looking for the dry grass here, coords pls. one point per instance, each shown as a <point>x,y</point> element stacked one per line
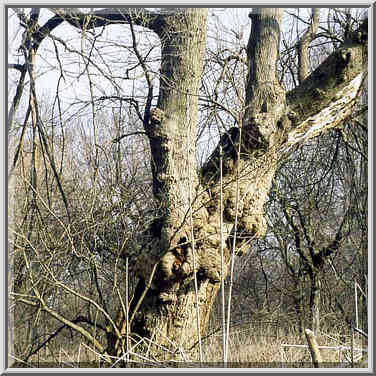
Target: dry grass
<point>250,346</point>
<point>261,347</point>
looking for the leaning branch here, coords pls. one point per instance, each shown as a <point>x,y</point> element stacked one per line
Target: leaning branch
<point>338,110</point>
<point>344,69</point>
<point>109,16</point>
<point>65,321</point>
<point>313,348</point>
<point>76,327</point>
<point>53,335</point>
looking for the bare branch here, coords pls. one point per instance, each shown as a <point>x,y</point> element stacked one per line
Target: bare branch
<point>18,67</point>
<point>110,16</point>
<point>147,73</point>
<point>54,334</point>
<point>65,321</point>
<point>118,139</point>
<point>33,34</point>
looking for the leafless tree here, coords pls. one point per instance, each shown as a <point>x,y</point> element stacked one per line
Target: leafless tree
<point>200,215</point>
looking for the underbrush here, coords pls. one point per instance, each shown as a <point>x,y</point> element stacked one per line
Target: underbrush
<point>251,345</point>
<point>267,346</point>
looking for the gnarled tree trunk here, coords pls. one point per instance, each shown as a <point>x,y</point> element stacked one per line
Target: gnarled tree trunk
<point>190,240</point>
<point>166,307</point>
<point>245,159</point>
<point>185,240</point>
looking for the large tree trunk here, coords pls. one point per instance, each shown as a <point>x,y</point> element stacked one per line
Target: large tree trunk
<point>166,309</point>
<point>185,242</point>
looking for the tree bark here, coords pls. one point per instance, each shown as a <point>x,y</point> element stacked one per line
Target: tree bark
<point>314,302</point>
<point>303,45</point>
<point>313,348</point>
<point>166,309</point>
<point>184,241</point>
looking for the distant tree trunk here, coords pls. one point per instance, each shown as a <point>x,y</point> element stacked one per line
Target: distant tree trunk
<point>303,45</point>
<point>299,309</point>
<point>314,302</point>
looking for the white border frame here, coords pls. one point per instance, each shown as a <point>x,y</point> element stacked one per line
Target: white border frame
<point>4,201</point>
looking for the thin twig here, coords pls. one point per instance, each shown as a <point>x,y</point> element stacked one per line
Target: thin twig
<point>222,255</point>
<point>233,245</point>
<point>127,306</point>
<point>192,235</point>
<point>118,139</point>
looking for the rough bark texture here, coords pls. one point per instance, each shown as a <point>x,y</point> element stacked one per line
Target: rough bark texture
<point>167,310</point>
<point>313,348</point>
<point>303,45</point>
